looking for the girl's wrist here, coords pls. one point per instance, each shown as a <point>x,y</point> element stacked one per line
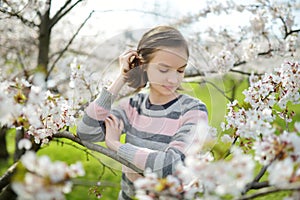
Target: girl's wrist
<point>114,145</point>
<point>117,85</point>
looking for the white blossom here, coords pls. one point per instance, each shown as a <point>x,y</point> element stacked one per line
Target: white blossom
<point>45,179</point>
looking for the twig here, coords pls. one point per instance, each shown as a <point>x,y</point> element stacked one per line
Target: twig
<point>60,14</point>
<point>244,73</point>
<point>229,150</point>
<point>16,14</point>
<point>67,46</point>
<point>266,191</point>
<point>5,178</point>
<point>88,153</point>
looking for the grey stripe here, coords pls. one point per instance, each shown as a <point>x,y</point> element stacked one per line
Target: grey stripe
<point>167,167</point>
<point>159,163</point>
<point>84,128</point>
<point>121,114</point>
<point>150,160</point>
<point>127,151</point>
<point>105,99</point>
<point>90,121</point>
<point>145,143</point>
<point>127,186</point>
<point>149,136</point>
<point>91,137</point>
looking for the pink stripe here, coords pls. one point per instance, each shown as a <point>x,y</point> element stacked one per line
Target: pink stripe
<point>96,112</point>
<point>141,156</point>
<point>178,145</point>
<point>163,126</point>
<point>195,116</point>
<point>130,174</point>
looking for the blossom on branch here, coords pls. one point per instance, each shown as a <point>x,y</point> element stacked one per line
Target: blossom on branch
<point>39,178</point>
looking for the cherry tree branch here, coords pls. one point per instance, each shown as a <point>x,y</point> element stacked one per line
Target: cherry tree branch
<point>86,151</point>
<point>62,12</point>
<point>97,148</point>
<point>214,85</point>
<point>67,46</point>
<point>266,191</point>
<point>5,178</point>
<point>13,13</point>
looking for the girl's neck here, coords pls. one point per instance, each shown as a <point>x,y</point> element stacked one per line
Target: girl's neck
<point>161,100</point>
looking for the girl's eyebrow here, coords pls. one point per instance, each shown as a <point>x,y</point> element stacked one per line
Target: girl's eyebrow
<point>165,65</point>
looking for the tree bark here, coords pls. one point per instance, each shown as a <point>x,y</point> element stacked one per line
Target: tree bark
<point>44,41</point>
<point>5,189</point>
<point>8,194</point>
<point>4,155</point>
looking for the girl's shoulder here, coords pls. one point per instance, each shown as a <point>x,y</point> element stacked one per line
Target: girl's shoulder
<point>192,103</point>
<point>137,99</point>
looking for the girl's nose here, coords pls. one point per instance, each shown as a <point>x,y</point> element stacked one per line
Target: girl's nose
<point>173,77</point>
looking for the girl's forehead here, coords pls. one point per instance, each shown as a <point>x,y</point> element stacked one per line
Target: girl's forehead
<point>178,53</point>
<point>171,56</point>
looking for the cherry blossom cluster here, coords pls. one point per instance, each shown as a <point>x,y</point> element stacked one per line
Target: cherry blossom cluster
<point>255,116</point>
<point>283,152</point>
<point>85,84</point>
<point>53,114</point>
<point>152,187</point>
<point>223,62</point>
<point>200,174</point>
<point>41,113</point>
<point>44,179</point>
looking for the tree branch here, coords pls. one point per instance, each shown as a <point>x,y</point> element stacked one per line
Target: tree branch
<point>87,152</point>
<point>291,32</point>
<point>62,12</point>
<point>67,46</point>
<point>217,88</point>
<point>5,178</point>
<point>98,148</point>
<point>28,23</point>
<point>266,191</point>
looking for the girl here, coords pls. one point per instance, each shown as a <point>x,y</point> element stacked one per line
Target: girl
<point>156,123</point>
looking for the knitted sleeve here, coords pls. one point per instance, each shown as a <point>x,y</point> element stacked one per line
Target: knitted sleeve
<point>92,126</point>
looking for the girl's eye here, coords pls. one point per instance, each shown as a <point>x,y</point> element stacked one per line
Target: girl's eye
<point>163,70</point>
<point>180,71</point>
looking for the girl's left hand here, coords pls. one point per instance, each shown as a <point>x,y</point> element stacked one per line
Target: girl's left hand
<point>114,128</point>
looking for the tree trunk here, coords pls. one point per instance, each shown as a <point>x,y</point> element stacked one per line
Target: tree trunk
<point>3,147</point>
<point>44,43</point>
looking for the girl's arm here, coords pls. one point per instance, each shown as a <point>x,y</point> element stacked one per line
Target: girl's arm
<point>92,126</point>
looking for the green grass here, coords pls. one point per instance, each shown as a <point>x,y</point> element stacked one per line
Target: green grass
<point>110,181</point>
<point>94,167</point>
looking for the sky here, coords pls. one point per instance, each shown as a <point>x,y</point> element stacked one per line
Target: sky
<point>114,16</point>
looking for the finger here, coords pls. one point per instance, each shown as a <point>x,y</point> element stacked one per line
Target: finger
<point>113,120</point>
<point>108,121</point>
<point>121,125</point>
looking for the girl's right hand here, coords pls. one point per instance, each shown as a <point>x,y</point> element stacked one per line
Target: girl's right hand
<point>125,60</point>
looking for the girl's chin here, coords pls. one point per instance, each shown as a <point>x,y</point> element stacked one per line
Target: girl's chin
<point>165,90</point>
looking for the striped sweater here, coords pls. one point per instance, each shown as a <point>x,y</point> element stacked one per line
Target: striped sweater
<point>155,134</point>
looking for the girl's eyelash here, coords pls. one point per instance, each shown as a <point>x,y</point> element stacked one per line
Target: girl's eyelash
<point>163,70</point>
<point>166,70</point>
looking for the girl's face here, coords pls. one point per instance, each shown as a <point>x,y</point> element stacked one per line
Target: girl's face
<point>165,73</point>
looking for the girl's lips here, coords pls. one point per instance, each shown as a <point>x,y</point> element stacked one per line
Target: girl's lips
<point>169,87</point>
